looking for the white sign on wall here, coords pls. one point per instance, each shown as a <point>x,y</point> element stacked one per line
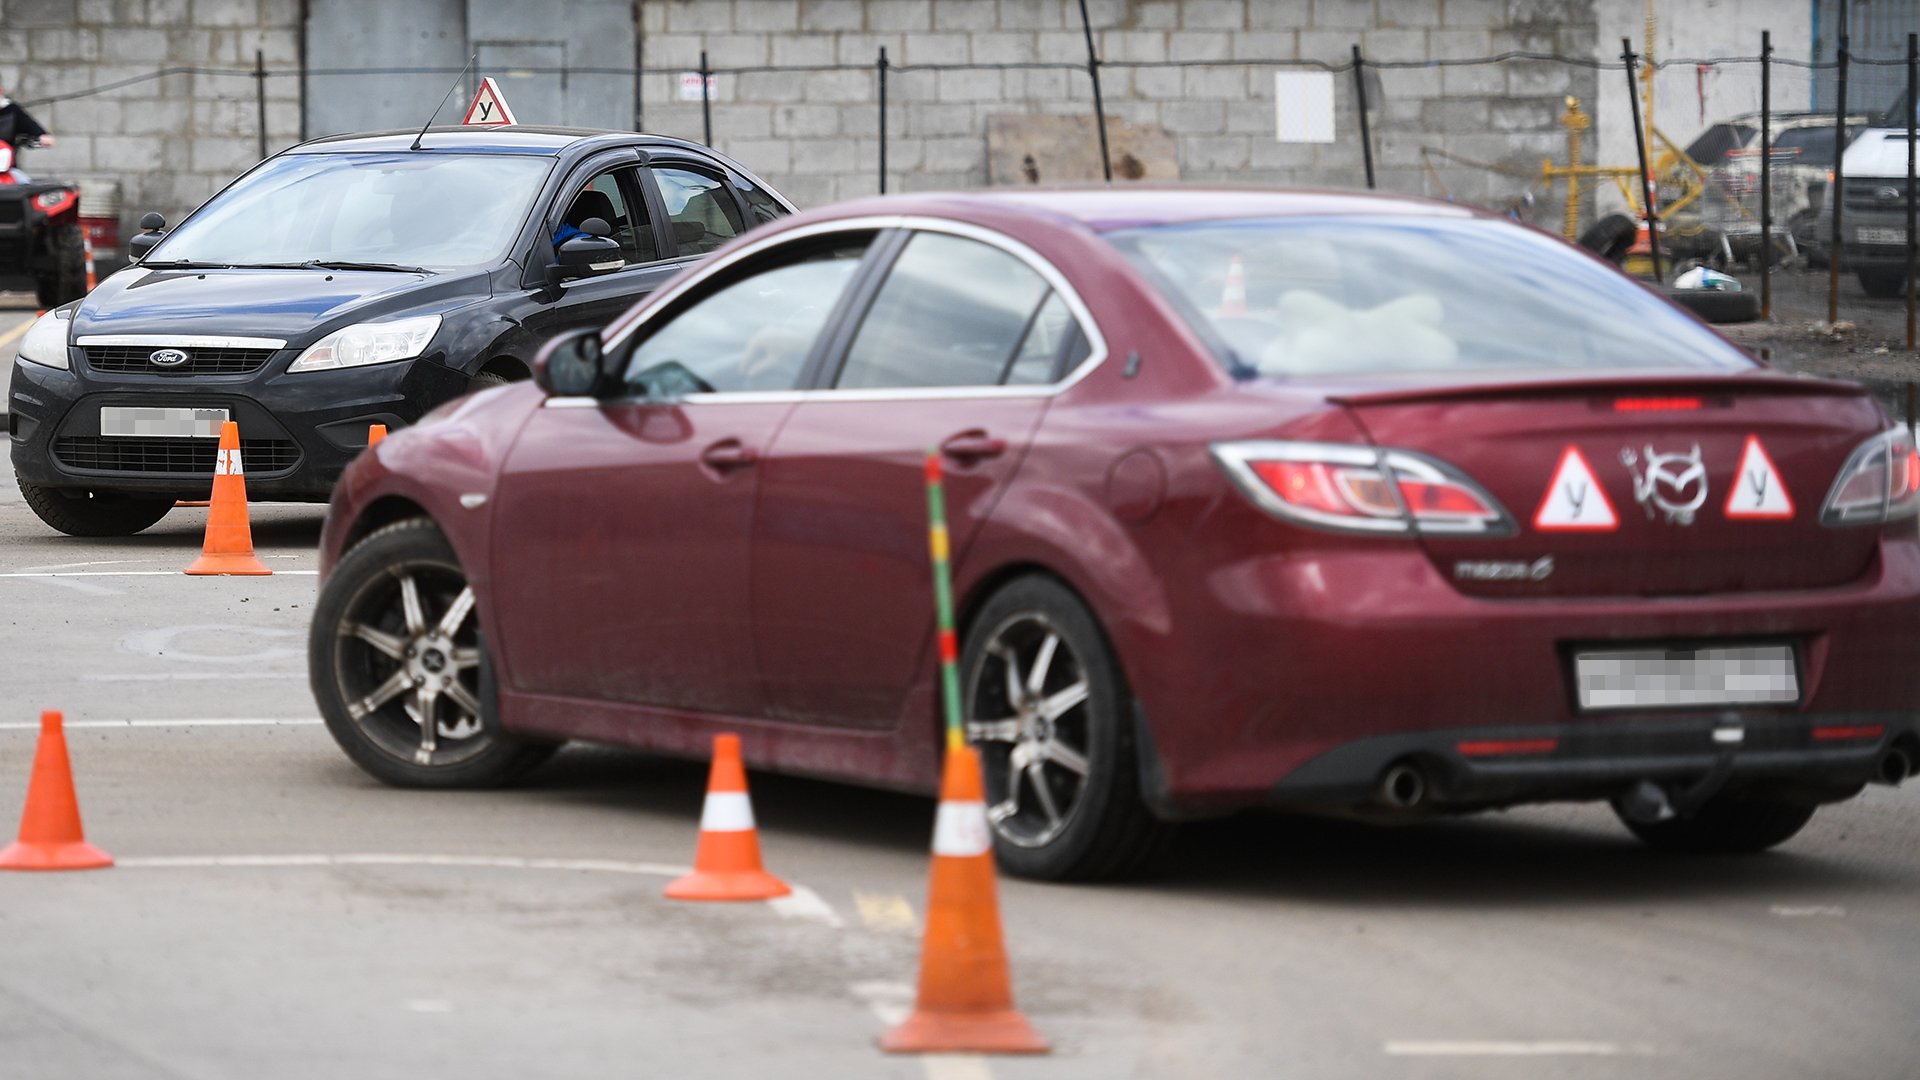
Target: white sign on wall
<point>690,86</point>
<point>1303,104</point>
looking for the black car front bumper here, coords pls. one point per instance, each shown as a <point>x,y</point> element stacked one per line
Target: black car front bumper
<point>297,432</point>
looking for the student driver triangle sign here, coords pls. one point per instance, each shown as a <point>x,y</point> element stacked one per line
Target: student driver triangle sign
<point>1575,501</point>
<point>1758,491</point>
<point>489,108</point>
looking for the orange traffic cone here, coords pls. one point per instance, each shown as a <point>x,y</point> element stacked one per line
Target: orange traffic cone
<point>86,246</point>
<point>726,866</point>
<point>965,1001</point>
<point>50,834</point>
<point>1233,298</point>
<point>375,432</point>
<point>229,544</point>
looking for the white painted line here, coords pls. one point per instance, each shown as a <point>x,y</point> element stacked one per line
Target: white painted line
<point>134,573</point>
<point>285,721</point>
<point>429,1005</point>
<point>496,862</point>
<point>1490,1048</point>
<point>191,676</point>
<point>804,903</point>
<point>86,588</point>
<point>78,565</point>
<point>1833,911</point>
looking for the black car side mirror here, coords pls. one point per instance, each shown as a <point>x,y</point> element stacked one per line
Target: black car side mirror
<point>571,365</point>
<point>153,227</point>
<point>594,253</point>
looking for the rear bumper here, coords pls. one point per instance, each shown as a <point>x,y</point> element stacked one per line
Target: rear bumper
<point>1811,757</point>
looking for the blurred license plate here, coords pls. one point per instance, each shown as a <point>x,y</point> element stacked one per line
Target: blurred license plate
<point>1676,678</point>
<point>1881,236</point>
<point>161,423</point>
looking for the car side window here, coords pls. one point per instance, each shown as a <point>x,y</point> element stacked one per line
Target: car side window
<point>607,198</point>
<point>952,312</point>
<point>754,332</point>
<point>761,205</point>
<point>1053,345</point>
<point>701,208</point>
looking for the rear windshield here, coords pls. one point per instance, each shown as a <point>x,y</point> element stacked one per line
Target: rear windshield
<point>1813,145</point>
<point>431,209</point>
<point>1349,295</point>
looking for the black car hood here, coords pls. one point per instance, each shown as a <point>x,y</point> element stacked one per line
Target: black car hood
<point>287,304</point>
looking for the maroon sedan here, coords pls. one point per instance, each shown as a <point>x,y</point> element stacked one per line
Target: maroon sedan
<point>1312,500</point>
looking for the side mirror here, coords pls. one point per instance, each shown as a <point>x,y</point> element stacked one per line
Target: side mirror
<point>594,253</point>
<point>570,365</point>
<point>153,227</point>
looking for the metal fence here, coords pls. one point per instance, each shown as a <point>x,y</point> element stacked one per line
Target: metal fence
<point>1515,131</point>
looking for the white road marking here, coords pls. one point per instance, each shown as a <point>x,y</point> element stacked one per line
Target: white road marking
<point>160,644</point>
<point>498,862</point>
<point>283,721</point>
<point>87,588</point>
<point>430,1005</point>
<point>804,903</point>
<point>886,912</point>
<point>1490,1048</point>
<point>191,676</point>
<point>77,565</point>
<point>1830,910</point>
<point>133,573</point>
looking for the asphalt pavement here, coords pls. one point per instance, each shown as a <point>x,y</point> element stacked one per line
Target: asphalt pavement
<point>275,913</point>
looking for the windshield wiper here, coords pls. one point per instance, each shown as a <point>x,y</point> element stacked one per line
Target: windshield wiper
<point>184,264</point>
<point>342,264</point>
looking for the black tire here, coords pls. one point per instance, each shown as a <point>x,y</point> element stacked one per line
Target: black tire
<point>1882,284</point>
<point>1610,237</point>
<point>1092,823</point>
<point>65,278</point>
<point>95,513</point>
<point>486,380</point>
<point>1726,826</point>
<point>1716,306</point>
<point>361,643</point>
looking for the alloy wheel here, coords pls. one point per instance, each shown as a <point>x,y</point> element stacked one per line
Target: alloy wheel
<point>408,665</point>
<point>1028,714</point>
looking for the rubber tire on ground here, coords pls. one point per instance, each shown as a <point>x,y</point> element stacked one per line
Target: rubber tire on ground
<point>507,760</point>
<point>1610,237</point>
<point>95,513</point>
<point>486,380</point>
<point>1716,306</point>
<point>66,280</point>
<point>1726,825</point>
<point>1882,284</point>
<point>1113,833</point>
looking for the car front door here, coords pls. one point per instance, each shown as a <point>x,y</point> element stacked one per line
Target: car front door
<point>606,187</point>
<point>962,345</point>
<point>623,525</point>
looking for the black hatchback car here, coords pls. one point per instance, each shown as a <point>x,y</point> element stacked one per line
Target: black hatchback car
<point>346,282</point>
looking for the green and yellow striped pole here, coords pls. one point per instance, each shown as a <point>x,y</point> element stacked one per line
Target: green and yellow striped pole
<point>943,600</point>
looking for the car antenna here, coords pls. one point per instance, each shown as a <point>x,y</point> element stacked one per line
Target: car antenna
<point>443,101</point>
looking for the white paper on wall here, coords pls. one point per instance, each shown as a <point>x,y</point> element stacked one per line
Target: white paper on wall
<point>1303,104</point>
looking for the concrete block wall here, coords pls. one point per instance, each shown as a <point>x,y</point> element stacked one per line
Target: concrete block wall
<point>172,141</point>
<point>815,134</point>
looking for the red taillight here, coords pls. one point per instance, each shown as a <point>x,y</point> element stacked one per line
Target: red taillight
<point>1655,404</point>
<point>1879,483</point>
<point>1502,747</point>
<point>1844,732</point>
<point>1360,489</point>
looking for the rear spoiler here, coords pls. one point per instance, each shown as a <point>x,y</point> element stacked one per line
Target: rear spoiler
<point>1642,384</point>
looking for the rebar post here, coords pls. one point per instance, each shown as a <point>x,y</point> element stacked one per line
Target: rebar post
<point>1640,146</point>
<point>1360,98</point>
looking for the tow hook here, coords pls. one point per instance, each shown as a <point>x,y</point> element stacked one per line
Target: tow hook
<point>1648,802</point>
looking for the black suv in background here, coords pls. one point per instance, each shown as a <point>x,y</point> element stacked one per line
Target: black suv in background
<point>349,281</point>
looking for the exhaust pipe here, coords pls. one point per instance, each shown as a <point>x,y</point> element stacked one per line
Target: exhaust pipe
<point>1403,787</point>
<point>1895,766</point>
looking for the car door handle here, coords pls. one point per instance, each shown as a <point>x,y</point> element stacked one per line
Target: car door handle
<point>729,454</point>
<point>971,446</point>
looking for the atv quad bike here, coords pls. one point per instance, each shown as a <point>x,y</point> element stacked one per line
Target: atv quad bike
<point>40,235</point>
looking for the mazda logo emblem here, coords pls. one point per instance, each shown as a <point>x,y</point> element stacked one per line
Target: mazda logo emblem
<point>167,357</point>
<point>1887,194</point>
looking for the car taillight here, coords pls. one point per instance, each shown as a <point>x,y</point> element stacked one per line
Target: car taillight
<point>1879,483</point>
<point>1353,488</point>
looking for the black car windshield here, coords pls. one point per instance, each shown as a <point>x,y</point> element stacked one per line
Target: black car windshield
<point>435,210</point>
<point>1353,295</point>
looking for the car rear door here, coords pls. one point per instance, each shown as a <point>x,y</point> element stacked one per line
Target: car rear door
<point>961,345</point>
<point>623,525</point>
